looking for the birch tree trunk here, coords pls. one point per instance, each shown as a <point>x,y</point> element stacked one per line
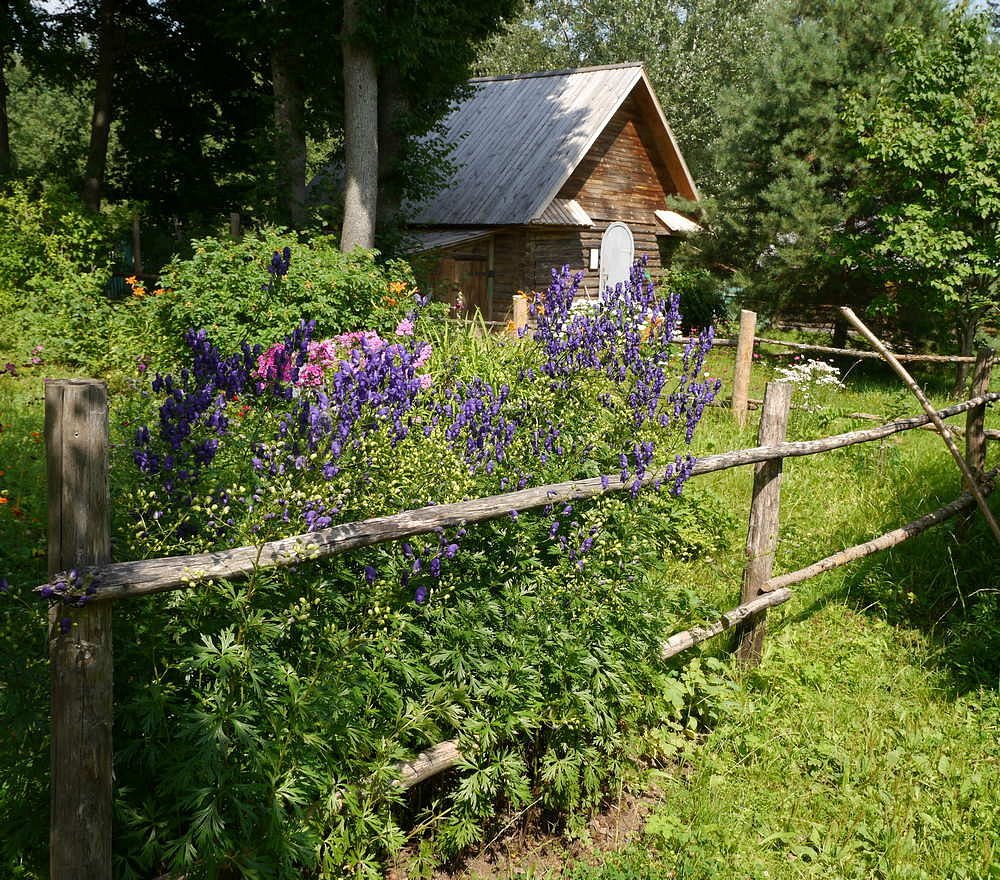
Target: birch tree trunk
<point>6,160</point>
<point>360,134</point>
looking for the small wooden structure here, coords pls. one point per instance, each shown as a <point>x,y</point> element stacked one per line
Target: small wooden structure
<point>554,168</point>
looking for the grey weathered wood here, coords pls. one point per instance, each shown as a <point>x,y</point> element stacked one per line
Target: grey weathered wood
<point>428,763</point>
<point>900,371</point>
<point>76,440</point>
<point>762,532</point>
<point>142,577</point>
<point>852,352</point>
<point>517,139</point>
<point>741,370</point>
<point>975,428</point>
<point>975,418</point>
<point>875,545</point>
<point>777,587</point>
<point>729,619</point>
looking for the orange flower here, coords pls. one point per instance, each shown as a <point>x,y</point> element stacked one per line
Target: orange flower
<point>4,499</point>
<point>397,287</point>
<point>132,281</point>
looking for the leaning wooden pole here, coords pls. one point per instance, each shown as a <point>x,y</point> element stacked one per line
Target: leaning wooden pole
<point>744,361</point>
<point>762,533</point>
<point>76,440</point>
<point>970,478</point>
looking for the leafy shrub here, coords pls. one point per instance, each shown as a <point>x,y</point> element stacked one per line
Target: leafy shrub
<point>54,263</point>
<point>260,722</point>
<point>702,294</point>
<point>224,288</point>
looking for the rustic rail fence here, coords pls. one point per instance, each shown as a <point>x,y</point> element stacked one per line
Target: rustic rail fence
<point>76,431</point>
<point>747,339</point>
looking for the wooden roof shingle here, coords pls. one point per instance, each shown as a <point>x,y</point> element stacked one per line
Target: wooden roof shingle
<point>518,138</point>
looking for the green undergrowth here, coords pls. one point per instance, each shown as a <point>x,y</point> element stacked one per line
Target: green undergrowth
<point>865,745</point>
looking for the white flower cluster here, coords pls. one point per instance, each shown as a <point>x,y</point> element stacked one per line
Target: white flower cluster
<point>810,378</point>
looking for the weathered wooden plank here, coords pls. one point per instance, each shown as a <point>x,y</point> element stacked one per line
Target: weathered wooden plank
<point>741,370</point>
<point>80,648</point>
<point>141,577</point>
<point>428,763</point>
<point>762,531</point>
<point>729,619</point>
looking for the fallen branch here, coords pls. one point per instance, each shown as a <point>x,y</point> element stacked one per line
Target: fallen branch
<point>428,763</point>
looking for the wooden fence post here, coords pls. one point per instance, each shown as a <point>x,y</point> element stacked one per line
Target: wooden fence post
<point>762,533</point>
<point>741,372</point>
<point>520,312</point>
<point>975,430</point>
<point>76,440</point>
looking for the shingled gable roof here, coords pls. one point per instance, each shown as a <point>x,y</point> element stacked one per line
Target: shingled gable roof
<point>519,138</point>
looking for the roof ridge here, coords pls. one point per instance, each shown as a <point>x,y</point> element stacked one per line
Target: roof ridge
<point>563,72</point>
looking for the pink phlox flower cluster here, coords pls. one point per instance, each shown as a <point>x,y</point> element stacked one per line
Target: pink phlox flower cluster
<point>273,365</point>
<point>367,340</point>
<point>404,328</point>
<point>423,355</point>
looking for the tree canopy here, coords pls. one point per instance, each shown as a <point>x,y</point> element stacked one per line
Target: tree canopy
<point>927,205</point>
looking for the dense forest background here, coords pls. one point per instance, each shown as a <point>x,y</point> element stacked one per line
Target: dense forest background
<point>846,151</point>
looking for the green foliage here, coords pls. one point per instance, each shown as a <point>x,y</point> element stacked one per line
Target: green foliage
<point>225,288</point>
<point>702,294</point>
<point>54,264</point>
<point>786,154</point>
<point>930,193</point>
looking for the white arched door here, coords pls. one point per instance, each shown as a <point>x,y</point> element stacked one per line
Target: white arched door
<point>617,254</point>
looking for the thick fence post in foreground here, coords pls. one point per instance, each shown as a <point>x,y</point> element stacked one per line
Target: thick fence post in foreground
<point>744,360</point>
<point>975,420</point>
<point>762,533</point>
<point>76,442</point>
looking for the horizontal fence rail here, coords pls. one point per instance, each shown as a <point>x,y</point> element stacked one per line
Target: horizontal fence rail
<point>854,352</point>
<point>123,579</point>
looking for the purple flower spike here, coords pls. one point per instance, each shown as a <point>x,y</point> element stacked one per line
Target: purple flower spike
<point>370,574</point>
<point>65,624</point>
<point>420,595</point>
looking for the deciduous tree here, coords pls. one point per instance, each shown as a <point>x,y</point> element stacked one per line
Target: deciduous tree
<point>928,202</point>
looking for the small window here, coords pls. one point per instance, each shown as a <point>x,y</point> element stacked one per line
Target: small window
<point>617,255</point>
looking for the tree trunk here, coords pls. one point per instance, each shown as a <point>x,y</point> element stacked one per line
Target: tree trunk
<point>966,331</point>
<point>360,134</point>
<point>392,105</point>
<point>100,124</point>
<point>290,139</point>
<point>6,160</point>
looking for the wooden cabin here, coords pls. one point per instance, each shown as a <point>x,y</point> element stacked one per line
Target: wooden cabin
<point>553,168</point>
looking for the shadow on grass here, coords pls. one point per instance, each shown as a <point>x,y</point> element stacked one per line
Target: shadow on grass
<point>944,582</point>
